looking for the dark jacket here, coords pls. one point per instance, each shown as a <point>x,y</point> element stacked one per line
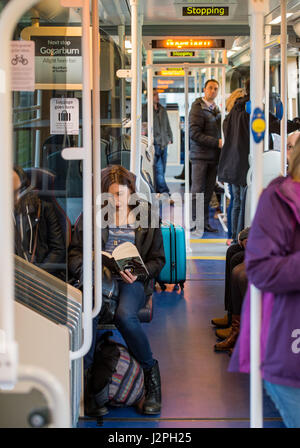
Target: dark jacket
<point>272,263</point>
<point>162,131</point>
<point>41,227</point>
<point>205,132</point>
<point>148,241</point>
<point>234,163</point>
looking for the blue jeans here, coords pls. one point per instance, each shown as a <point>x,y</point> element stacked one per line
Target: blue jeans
<point>131,299</point>
<point>237,215</point>
<point>287,401</point>
<point>229,211</point>
<point>160,163</point>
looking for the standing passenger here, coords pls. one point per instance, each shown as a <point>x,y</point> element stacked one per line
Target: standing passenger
<point>234,159</point>
<point>162,138</point>
<point>272,264</point>
<point>205,144</point>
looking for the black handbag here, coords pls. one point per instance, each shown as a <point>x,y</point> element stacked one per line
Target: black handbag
<point>110,297</point>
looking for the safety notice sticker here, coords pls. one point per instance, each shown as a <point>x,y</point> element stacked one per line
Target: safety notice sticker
<point>22,66</point>
<point>64,116</point>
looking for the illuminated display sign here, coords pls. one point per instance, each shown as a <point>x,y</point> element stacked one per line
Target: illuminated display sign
<point>182,54</point>
<point>205,11</point>
<point>201,44</point>
<point>165,81</point>
<point>172,72</point>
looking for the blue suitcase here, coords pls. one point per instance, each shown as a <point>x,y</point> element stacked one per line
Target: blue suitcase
<point>174,271</point>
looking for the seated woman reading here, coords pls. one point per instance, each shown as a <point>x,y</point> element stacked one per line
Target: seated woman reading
<point>119,183</point>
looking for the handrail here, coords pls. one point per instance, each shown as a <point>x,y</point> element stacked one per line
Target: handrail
<point>85,154</point>
<point>283,87</point>
<point>256,10</point>
<point>135,141</point>
<point>96,160</point>
<point>186,162</point>
<point>9,18</point>
<point>60,403</point>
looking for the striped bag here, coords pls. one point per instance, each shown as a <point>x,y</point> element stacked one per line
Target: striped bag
<point>117,378</point>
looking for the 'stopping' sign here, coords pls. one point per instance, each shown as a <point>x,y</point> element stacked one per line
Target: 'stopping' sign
<point>205,11</point>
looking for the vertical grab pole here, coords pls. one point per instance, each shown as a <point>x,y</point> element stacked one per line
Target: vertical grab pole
<point>186,160</point>
<point>87,187</point>
<point>268,29</point>
<point>139,103</point>
<point>195,84</point>
<point>150,97</point>
<point>223,90</point>
<point>209,67</point>
<point>9,17</point>
<point>283,83</point>
<point>134,154</point>
<point>121,32</point>
<point>256,10</point>
<point>96,159</point>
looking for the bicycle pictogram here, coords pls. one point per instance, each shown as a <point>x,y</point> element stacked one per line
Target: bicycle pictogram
<point>20,59</point>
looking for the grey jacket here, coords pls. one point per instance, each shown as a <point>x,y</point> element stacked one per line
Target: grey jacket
<point>161,126</point>
<point>205,132</point>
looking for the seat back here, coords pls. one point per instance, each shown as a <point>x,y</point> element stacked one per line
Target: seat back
<point>68,178</point>
<point>42,182</point>
<point>271,170</point>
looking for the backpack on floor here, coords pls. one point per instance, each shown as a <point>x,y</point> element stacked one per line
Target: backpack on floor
<point>117,378</point>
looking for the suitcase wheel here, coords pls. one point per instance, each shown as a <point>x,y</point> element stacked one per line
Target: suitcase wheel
<point>162,286</point>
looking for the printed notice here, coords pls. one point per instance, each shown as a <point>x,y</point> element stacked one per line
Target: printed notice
<point>64,116</point>
<point>58,60</point>
<point>22,66</point>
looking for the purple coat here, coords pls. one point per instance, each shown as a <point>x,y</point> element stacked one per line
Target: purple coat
<point>273,266</point>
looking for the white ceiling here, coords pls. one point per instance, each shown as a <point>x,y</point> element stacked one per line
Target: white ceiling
<point>169,12</point>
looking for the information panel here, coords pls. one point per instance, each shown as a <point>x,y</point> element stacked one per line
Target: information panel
<point>58,57</point>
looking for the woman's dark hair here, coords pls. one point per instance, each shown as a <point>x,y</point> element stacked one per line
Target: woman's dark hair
<point>27,196</point>
<point>247,86</point>
<point>23,178</point>
<point>117,174</point>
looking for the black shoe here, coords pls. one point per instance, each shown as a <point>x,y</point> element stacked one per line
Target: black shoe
<point>180,176</point>
<point>208,228</point>
<point>91,408</point>
<point>152,403</point>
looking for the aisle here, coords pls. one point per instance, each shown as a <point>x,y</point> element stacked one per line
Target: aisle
<point>197,390</point>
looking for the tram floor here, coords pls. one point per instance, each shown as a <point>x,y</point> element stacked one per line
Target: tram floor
<point>197,390</point>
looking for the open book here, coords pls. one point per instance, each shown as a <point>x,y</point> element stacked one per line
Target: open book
<point>125,256</point>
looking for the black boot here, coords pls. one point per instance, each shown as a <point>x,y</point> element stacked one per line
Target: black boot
<point>152,403</point>
<point>91,408</point>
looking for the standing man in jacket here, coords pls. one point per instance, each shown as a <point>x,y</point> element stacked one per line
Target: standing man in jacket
<point>162,138</point>
<point>205,144</point>
<point>234,160</point>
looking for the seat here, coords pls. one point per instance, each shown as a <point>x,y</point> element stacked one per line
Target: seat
<point>42,182</point>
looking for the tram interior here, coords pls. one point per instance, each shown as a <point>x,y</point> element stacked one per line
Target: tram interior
<point>197,389</point>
